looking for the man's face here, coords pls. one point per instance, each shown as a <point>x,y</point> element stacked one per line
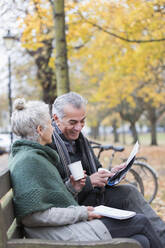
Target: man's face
<point>72,123</point>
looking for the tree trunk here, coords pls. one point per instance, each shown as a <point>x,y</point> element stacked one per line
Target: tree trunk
<point>95,132</point>
<point>153,133</point>
<point>153,120</point>
<point>61,63</point>
<point>45,73</point>
<point>134,132</point>
<point>123,133</point>
<point>115,133</point>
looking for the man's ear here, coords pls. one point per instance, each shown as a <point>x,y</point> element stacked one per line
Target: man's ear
<point>57,120</point>
<point>39,129</point>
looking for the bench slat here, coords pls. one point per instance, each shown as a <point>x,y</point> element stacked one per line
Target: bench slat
<point>3,238</point>
<point>14,232</point>
<point>36,243</point>
<point>7,209</point>
<point>12,229</point>
<point>6,199</point>
<point>5,184</point>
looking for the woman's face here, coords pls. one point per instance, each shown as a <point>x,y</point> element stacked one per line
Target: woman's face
<point>46,134</point>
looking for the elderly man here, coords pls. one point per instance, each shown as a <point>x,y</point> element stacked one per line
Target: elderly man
<point>69,116</point>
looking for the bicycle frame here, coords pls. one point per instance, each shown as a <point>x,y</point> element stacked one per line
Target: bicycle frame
<point>140,162</point>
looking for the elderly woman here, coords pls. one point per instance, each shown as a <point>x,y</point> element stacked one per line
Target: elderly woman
<point>42,202</point>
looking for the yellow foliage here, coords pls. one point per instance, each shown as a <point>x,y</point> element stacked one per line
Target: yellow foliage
<point>100,59</point>
<point>37,25</point>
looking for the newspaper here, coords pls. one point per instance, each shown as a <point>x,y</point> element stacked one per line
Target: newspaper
<point>113,212</point>
<point>115,179</point>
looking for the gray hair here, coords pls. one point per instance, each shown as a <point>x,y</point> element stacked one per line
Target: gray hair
<point>26,117</point>
<point>76,100</point>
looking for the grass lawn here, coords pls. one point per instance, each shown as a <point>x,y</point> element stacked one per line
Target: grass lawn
<point>144,139</point>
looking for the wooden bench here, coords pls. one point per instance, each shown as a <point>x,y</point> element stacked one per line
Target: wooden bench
<point>11,235</point>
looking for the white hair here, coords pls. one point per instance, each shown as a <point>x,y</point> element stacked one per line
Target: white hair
<point>76,100</point>
<point>26,117</point>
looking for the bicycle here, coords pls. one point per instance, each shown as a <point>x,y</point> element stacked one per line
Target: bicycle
<point>140,175</point>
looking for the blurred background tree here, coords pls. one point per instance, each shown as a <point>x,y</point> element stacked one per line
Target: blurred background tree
<point>114,51</point>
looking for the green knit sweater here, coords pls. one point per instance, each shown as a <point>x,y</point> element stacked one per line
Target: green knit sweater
<point>36,182</point>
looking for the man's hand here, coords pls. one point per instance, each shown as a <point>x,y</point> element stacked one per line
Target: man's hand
<point>78,185</point>
<point>99,179</point>
<point>91,215</point>
<point>118,168</point>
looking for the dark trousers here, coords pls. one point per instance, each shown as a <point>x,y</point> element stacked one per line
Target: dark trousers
<point>125,197</point>
<point>137,227</point>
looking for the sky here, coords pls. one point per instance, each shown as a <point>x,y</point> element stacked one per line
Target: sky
<point>6,17</point>
<point>10,10</point>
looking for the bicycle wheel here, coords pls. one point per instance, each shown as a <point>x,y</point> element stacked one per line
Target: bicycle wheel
<point>149,178</point>
<point>133,178</point>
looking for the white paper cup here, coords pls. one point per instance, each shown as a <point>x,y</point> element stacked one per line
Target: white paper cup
<point>76,170</point>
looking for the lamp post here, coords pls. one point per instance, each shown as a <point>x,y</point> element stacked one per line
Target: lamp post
<point>9,41</point>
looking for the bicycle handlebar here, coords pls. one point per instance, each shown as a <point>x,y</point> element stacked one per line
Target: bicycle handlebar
<point>114,148</point>
<point>107,147</point>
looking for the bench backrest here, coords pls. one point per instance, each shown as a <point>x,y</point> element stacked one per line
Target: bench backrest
<point>11,233</point>
<point>8,225</point>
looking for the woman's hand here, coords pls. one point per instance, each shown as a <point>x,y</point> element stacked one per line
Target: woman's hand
<point>79,184</point>
<point>92,215</point>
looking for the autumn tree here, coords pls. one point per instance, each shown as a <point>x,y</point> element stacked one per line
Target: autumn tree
<point>119,46</point>
<point>37,39</point>
<point>131,114</point>
<point>128,43</point>
<point>45,73</point>
<point>112,120</point>
<point>61,62</point>
<point>43,26</point>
